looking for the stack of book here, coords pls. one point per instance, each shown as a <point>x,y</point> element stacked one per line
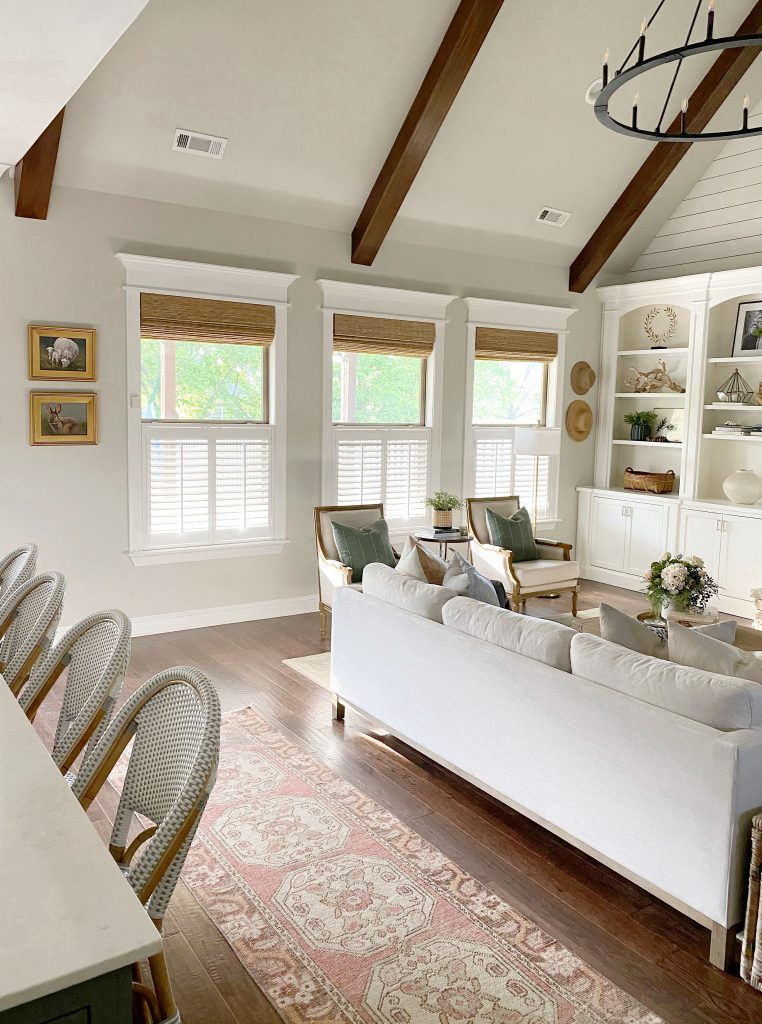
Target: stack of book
<point>738,430</point>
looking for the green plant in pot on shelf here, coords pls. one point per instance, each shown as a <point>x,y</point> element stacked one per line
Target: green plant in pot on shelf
<point>641,424</point>
<point>679,583</point>
<point>442,504</point>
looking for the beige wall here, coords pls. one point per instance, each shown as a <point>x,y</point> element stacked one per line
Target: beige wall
<point>73,501</point>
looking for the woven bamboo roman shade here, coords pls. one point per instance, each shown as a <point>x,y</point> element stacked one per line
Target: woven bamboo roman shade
<point>520,346</point>
<point>382,337</point>
<point>185,318</point>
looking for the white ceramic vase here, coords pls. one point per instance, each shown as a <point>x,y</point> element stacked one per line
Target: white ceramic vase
<point>743,487</point>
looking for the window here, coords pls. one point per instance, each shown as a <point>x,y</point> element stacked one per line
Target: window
<point>381,411</point>
<point>204,446</point>
<point>510,388</point>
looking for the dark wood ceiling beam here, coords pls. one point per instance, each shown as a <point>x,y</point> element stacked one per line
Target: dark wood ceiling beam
<point>457,52</point>
<point>719,81</point>
<point>33,177</point>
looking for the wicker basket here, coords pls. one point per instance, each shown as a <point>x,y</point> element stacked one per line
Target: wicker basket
<point>442,519</point>
<point>653,483</point>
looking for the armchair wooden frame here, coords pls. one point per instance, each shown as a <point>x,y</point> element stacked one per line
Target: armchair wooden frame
<point>517,599</point>
<point>325,559</point>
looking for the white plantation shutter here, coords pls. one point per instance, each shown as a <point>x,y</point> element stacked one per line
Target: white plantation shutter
<point>178,488</point>
<point>206,484</point>
<point>493,463</point>
<point>407,463</point>
<point>498,473</point>
<point>359,470</point>
<point>379,464</point>
<point>242,485</point>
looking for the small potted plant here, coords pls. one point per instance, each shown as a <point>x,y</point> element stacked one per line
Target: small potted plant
<point>678,583</point>
<point>442,503</point>
<point>641,424</point>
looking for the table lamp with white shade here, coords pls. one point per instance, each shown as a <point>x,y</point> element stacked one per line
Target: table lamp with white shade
<point>537,442</point>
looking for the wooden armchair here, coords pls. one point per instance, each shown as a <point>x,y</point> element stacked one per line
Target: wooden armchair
<point>332,573</point>
<point>552,572</point>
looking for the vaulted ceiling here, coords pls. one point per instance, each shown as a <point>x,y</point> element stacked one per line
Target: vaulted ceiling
<point>312,94</point>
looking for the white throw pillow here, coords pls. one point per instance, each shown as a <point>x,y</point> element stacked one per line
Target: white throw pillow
<point>623,629</point>
<point>696,650</point>
<point>711,698</point>
<point>539,639</point>
<point>421,564</point>
<point>467,581</point>
<point>386,584</point>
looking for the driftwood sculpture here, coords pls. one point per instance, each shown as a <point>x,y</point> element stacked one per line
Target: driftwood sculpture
<point>653,380</point>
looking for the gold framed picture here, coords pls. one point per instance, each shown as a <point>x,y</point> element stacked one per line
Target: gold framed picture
<point>63,417</point>
<point>61,353</point>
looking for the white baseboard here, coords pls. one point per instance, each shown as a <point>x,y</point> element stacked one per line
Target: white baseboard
<point>171,622</point>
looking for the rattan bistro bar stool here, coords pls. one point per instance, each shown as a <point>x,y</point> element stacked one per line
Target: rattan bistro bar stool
<point>175,721</point>
<point>94,654</point>
<point>17,567</point>
<point>28,620</point>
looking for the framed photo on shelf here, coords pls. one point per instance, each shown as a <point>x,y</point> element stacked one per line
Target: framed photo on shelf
<point>63,417</point>
<point>748,336</point>
<point>61,353</point>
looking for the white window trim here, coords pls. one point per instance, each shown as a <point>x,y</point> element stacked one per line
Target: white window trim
<point>393,304</point>
<point>204,280</point>
<point>518,316</point>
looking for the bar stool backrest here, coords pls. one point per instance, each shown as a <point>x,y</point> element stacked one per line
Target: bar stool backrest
<point>28,620</point>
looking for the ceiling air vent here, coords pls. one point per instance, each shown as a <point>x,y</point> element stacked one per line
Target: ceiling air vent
<point>557,218</point>
<point>198,143</point>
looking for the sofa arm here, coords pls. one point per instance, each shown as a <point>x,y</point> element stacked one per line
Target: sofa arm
<point>554,549</point>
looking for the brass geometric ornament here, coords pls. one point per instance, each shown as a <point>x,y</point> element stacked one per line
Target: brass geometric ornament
<point>735,389</point>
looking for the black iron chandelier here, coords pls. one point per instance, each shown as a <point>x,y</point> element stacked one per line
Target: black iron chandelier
<point>638,63</point>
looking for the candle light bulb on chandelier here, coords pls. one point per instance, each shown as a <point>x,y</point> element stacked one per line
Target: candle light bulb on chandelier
<point>642,41</point>
<point>710,20</point>
<point>746,111</point>
<point>605,69</point>
<point>683,112</point>
<point>635,101</point>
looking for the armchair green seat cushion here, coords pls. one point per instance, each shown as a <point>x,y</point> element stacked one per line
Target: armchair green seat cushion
<point>514,533</point>
<point>359,546</point>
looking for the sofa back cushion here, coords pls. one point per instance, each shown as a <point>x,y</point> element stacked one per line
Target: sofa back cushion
<point>621,628</point>
<point>539,639</point>
<point>386,584</point>
<point>712,699</point>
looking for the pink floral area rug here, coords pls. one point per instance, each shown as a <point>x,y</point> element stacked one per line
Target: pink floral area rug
<point>340,913</point>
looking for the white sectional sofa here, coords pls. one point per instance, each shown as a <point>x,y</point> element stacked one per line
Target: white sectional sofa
<point>653,769</point>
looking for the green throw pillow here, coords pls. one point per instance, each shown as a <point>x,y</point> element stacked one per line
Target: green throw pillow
<point>359,547</point>
<point>514,533</point>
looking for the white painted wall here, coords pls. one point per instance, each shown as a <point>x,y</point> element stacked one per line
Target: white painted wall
<point>73,501</point>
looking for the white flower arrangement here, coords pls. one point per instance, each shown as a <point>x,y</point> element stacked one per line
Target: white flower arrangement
<point>680,581</point>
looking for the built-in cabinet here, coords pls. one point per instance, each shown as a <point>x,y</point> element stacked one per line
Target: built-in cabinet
<point>621,532</point>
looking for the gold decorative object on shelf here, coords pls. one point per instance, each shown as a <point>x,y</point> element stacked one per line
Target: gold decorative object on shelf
<point>664,317</point>
<point>647,381</point>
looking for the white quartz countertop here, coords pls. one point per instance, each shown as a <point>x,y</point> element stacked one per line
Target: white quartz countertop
<point>66,913</point>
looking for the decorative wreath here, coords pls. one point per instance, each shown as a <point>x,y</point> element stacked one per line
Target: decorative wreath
<point>660,337</point>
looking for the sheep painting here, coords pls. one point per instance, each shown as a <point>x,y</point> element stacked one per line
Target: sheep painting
<point>59,352</point>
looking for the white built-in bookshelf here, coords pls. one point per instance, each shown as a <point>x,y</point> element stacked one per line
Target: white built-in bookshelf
<point>697,517</point>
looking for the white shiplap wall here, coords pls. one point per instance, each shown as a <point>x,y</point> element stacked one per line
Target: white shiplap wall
<point>719,223</point>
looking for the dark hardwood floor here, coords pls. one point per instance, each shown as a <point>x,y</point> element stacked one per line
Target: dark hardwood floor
<point>650,950</point>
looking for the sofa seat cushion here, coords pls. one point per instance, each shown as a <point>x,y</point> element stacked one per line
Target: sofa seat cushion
<point>538,639</point>
<point>543,572</point>
<point>713,699</point>
<point>424,599</point>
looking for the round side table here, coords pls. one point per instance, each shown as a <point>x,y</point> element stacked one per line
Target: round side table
<point>443,542</point>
